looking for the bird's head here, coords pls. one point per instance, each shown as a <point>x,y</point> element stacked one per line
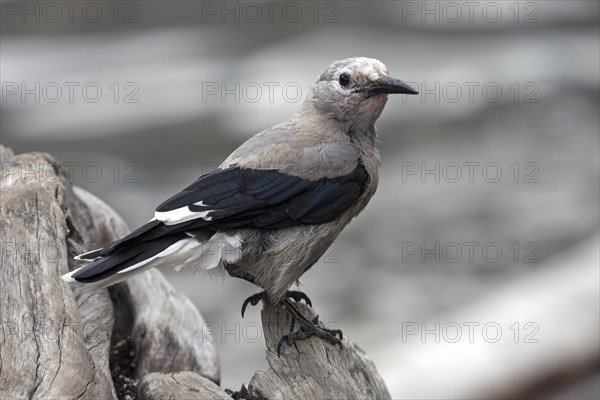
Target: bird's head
<point>354,91</point>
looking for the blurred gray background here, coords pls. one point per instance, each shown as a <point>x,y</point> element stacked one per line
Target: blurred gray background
<point>474,270</point>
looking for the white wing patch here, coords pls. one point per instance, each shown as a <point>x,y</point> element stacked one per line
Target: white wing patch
<point>83,256</point>
<point>182,214</point>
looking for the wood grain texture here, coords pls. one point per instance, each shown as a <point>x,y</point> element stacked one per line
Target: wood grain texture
<point>50,348</point>
<point>316,369</point>
<point>179,385</point>
<point>56,338</point>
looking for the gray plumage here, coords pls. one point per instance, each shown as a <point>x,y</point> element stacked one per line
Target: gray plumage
<point>276,203</point>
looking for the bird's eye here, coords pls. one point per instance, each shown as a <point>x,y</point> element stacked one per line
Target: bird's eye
<point>344,80</point>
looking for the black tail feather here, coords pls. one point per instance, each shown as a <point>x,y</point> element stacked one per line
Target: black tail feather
<point>124,258</point>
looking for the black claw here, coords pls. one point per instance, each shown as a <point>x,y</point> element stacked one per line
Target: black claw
<point>331,339</point>
<point>244,305</point>
<point>254,299</point>
<point>284,338</point>
<point>307,329</point>
<point>295,295</point>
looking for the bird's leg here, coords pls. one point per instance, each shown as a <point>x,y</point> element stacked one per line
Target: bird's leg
<point>307,329</point>
<point>295,295</point>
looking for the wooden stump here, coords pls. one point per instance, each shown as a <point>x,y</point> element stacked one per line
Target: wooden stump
<point>54,345</point>
<point>313,369</point>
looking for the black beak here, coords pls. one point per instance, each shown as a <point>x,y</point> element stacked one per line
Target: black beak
<point>388,85</point>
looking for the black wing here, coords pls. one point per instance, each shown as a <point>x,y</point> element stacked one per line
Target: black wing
<point>269,199</point>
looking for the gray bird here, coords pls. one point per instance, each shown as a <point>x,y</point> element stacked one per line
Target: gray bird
<point>275,205</point>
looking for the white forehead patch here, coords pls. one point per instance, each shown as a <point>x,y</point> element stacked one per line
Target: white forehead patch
<point>371,72</point>
<point>371,68</point>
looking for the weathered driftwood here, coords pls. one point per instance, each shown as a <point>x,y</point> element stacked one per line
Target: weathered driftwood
<point>51,347</point>
<point>135,339</point>
<point>56,340</point>
<point>313,369</point>
<point>179,385</point>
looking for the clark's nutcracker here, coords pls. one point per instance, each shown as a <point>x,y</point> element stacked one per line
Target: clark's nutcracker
<point>276,204</point>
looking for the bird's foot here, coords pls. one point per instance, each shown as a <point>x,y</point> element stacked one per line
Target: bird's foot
<point>295,295</point>
<point>307,329</point>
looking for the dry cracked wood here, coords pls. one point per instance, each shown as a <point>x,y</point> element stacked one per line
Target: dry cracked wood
<point>316,369</point>
<point>56,339</point>
<point>313,370</point>
<point>47,350</point>
<point>179,385</point>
